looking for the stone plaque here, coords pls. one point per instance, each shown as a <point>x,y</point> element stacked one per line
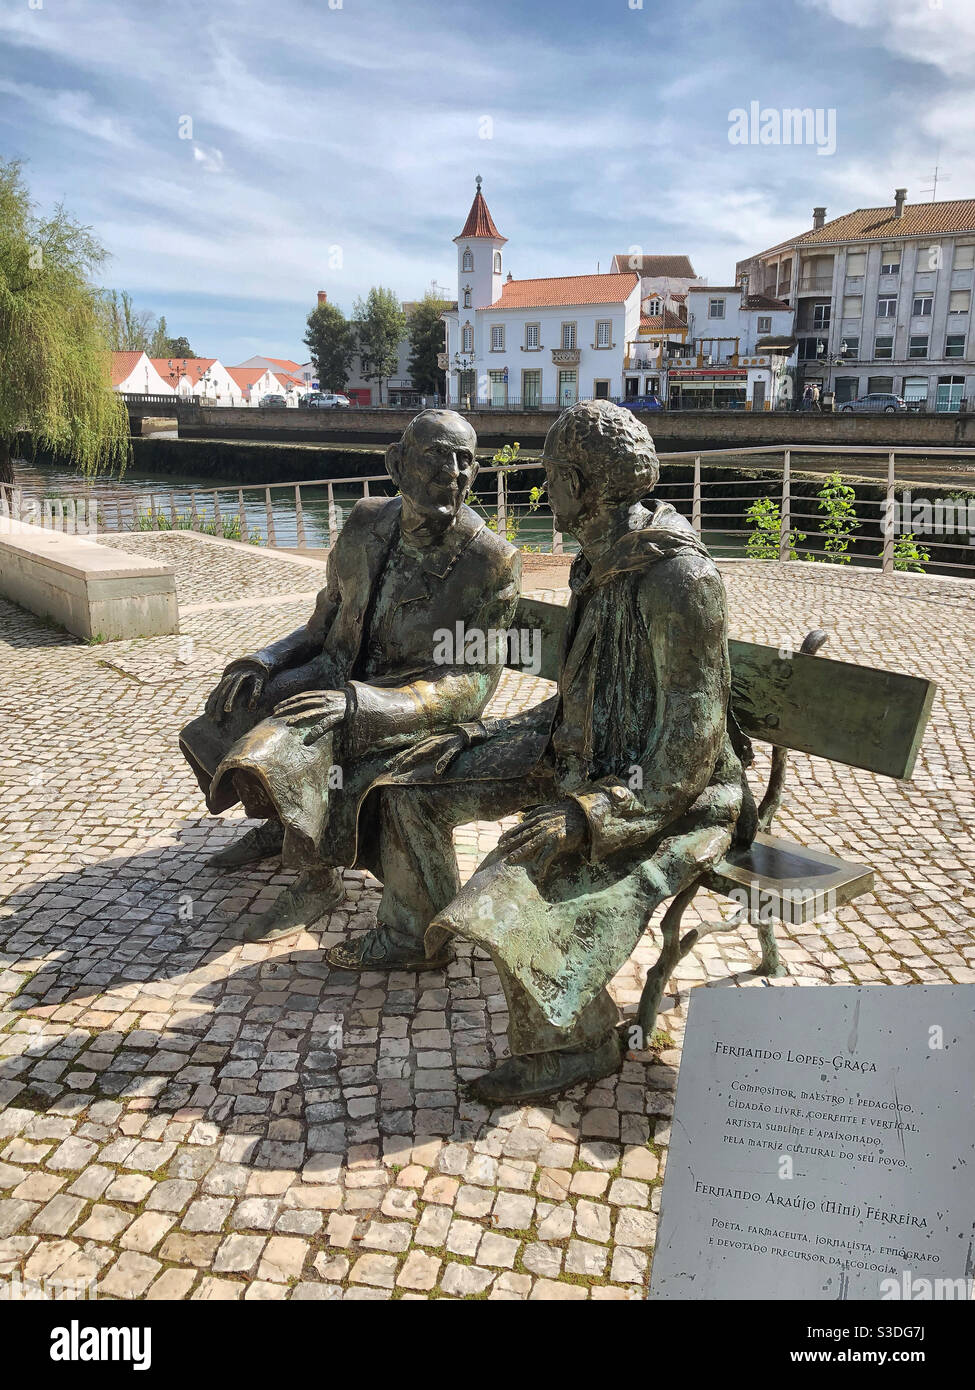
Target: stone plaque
<point>823,1146</point>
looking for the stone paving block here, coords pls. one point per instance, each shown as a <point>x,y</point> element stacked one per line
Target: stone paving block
<point>374,1269</point>
<point>211,1065</point>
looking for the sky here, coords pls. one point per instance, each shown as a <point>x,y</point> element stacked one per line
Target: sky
<point>234,158</point>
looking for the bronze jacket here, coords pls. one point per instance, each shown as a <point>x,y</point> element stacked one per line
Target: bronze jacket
<point>472,577</point>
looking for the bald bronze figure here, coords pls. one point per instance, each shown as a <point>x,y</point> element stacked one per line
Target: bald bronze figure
<point>300,730</point>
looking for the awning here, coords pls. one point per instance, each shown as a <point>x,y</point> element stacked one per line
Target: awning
<point>713,374</point>
<point>776,345</point>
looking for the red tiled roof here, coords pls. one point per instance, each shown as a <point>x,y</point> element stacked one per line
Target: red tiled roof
<point>667,322</point>
<point>479,221</point>
<point>193,367</point>
<point>677,266</point>
<point>764,301</point>
<point>245,377</point>
<point>123,365</point>
<point>565,290</point>
<point>285,363</point>
<point>880,224</point>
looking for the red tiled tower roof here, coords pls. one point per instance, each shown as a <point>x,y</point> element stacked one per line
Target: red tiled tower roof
<point>479,222</point>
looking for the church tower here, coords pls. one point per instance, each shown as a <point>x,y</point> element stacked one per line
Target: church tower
<point>479,275</point>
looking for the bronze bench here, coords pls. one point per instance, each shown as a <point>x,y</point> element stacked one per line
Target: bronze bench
<point>860,716</point>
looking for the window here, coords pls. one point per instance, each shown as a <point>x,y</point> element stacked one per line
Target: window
<point>498,382</point>
<point>604,329</point>
<point>880,385</point>
<point>468,263</point>
<point>887,307</point>
<point>922,305</point>
<point>531,388</point>
<point>808,349</point>
<point>568,335</point>
<point>915,389</point>
<point>821,315</point>
<point>497,337</point>
<point>856,264</point>
<point>853,306</point>
<point>890,261</point>
<point>653,307</point>
<point>964,257</point>
<point>960,301</point>
<point>497,262</point>
<point>850,349</point>
<point>847,388</point>
<point>883,347</point>
<point>468,338</point>
<point>532,331</point>
<point>467,297</point>
<point>715,308</point>
<point>949,394</point>
<point>765,324</point>
<point>918,345</point>
<point>955,345</point>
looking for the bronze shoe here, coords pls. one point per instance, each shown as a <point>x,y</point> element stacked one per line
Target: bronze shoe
<point>263,842</point>
<point>381,948</point>
<point>304,902</point>
<point>537,1074</point>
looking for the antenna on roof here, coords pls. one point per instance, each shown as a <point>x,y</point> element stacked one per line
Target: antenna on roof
<point>936,177</point>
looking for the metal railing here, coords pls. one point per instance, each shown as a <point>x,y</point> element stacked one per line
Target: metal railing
<point>762,502</point>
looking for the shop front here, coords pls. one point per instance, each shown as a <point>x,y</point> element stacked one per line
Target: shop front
<point>714,389</point>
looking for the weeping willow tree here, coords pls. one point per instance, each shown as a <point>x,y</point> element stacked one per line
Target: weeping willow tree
<point>55,380</point>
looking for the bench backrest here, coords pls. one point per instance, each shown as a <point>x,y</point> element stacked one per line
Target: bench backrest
<point>858,715</point>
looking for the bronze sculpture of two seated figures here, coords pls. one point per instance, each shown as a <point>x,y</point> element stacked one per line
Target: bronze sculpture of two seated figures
<point>628,780</point>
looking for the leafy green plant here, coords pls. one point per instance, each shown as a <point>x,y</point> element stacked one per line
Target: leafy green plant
<point>763,543</point>
<point>908,555</point>
<point>505,459</point>
<point>206,526</point>
<point>837,500</point>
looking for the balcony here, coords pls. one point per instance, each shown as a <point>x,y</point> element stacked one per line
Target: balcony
<point>816,284</point>
<point>566,357</point>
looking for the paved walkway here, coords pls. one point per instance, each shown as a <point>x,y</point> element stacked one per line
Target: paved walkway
<point>188,1116</point>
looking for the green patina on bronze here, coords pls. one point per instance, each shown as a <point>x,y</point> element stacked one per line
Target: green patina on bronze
<point>629,778</point>
<point>300,730</point>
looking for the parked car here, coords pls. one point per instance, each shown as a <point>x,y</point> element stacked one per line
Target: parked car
<point>877,400</point>
<point>644,403</point>
<point>325,400</point>
<point>274,401</point>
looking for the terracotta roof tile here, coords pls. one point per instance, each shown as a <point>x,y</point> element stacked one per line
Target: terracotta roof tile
<point>123,365</point>
<point>764,301</point>
<point>565,290</point>
<point>193,367</point>
<point>666,322</point>
<point>677,266</point>
<point>479,221</point>
<point>880,224</point>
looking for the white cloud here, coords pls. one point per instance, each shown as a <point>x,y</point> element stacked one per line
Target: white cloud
<point>940,33</point>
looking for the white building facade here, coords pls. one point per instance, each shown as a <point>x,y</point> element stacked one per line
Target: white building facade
<point>533,343</point>
<point>741,347</point>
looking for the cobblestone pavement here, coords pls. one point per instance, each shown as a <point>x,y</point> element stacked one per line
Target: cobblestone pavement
<point>187,1116</point>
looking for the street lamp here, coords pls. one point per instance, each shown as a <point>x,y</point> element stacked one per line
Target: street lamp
<point>464,363</point>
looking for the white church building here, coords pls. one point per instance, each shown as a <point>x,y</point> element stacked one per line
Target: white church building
<point>531,343</point>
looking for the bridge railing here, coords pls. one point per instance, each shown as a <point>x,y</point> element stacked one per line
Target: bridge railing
<point>745,503</point>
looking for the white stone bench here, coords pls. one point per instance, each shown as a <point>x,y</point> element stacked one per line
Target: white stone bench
<point>94,591</point>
